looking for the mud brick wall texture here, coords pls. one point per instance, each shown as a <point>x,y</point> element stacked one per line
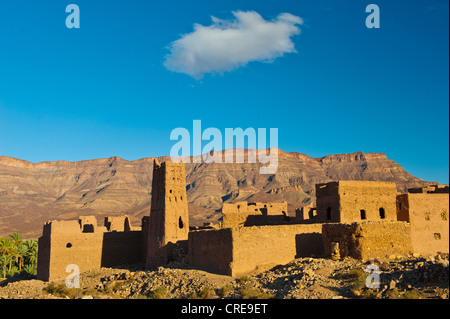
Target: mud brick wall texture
<point>366,240</point>
<point>237,251</point>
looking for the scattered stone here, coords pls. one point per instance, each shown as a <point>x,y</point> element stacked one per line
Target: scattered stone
<point>392,284</point>
<point>304,278</point>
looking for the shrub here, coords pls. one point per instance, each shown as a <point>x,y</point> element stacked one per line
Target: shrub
<point>253,293</point>
<point>61,290</point>
<point>208,292</point>
<point>159,293</point>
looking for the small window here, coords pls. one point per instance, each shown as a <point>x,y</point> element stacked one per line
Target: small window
<point>444,215</point>
<point>170,191</point>
<point>68,245</point>
<point>437,236</point>
<point>180,223</point>
<point>382,213</point>
<point>329,213</point>
<point>363,214</point>
<point>427,216</point>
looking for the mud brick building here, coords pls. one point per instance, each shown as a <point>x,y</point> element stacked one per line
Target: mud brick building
<point>359,219</point>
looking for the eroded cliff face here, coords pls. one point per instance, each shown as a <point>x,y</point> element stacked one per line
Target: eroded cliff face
<point>31,194</point>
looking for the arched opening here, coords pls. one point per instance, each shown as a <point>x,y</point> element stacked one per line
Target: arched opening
<point>180,223</point>
<point>329,213</point>
<point>68,245</point>
<point>363,214</point>
<point>382,213</point>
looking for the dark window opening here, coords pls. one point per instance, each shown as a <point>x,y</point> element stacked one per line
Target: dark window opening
<point>363,214</point>
<point>437,236</point>
<point>180,223</point>
<point>68,245</point>
<point>382,213</point>
<point>329,213</point>
<point>88,228</point>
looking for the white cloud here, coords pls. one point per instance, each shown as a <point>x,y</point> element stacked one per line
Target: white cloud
<point>229,44</point>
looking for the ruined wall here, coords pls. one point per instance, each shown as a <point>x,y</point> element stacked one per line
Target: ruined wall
<point>428,215</point>
<point>211,250</point>
<point>351,201</point>
<point>240,250</point>
<point>122,248</point>
<point>436,189</point>
<point>63,243</point>
<point>306,214</point>
<point>267,246</point>
<point>365,240</point>
<point>251,214</point>
<point>169,216</point>
<point>327,202</point>
<point>83,243</point>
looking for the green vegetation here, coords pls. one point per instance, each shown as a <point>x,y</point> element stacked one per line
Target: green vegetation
<point>61,290</point>
<point>159,293</point>
<point>17,255</point>
<point>254,293</point>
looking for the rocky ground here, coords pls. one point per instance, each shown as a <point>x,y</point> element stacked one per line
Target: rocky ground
<point>407,277</point>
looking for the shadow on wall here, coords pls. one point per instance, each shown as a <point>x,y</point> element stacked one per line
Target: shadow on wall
<point>261,220</point>
<point>121,248</point>
<point>309,245</point>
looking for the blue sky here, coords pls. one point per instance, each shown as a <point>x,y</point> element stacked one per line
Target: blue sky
<point>103,90</point>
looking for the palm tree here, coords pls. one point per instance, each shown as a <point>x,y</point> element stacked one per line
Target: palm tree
<point>31,253</point>
<point>16,238</point>
<point>3,262</point>
<point>4,246</point>
<point>30,269</point>
<point>21,253</point>
<point>7,249</point>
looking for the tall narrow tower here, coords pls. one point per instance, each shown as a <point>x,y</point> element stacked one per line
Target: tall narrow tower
<point>169,216</point>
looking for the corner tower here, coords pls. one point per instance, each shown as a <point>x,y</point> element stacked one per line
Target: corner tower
<point>169,216</point>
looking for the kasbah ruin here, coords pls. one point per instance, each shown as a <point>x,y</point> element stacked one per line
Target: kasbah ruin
<point>357,219</point>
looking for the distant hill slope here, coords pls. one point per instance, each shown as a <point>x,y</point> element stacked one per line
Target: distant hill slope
<point>31,194</point>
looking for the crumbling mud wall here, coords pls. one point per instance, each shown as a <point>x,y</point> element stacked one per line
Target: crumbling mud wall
<point>428,215</point>
<point>254,214</point>
<point>241,250</point>
<point>267,246</point>
<point>366,240</point>
<point>211,250</point>
<point>351,201</point>
<point>88,246</point>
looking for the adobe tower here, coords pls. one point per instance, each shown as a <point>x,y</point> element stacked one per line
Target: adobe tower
<point>169,216</point>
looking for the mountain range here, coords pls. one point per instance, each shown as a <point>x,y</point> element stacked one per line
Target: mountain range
<point>33,193</point>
